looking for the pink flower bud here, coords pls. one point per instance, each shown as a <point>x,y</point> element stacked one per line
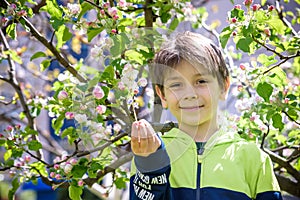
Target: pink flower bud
<point>238,6</point>
<point>69,115</point>
<point>52,174</point>
<point>102,12</point>
<point>101,109</point>
<point>62,95</point>
<point>18,126</point>
<point>240,88</point>
<point>4,20</point>
<point>73,161</point>
<point>58,176</point>
<point>115,17</point>
<point>22,13</point>
<point>98,93</point>
<point>267,32</point>
<point>80,183</point>
<point>112,11</point>
<point>252,118</point>
<point>242,67</point>
<point>255,7</point>
<point>106,5</point>
<point>270,8</point>
<point>56,166</point>
<point>13,6</point>
<point>233,20</point>
<point>234,33</point>
<point>286,100</point>
<point>248,2</point>
<point>1,135</point>
<point>27,158</point>
<point>9,128</point>
<point>113,31</point>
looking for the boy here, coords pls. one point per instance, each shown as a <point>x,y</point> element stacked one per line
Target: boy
<point>199,159</point>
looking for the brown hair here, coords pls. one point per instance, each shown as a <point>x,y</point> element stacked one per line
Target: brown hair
<point>193,48</point>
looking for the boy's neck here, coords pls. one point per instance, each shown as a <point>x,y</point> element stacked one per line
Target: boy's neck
<point>200,133</point>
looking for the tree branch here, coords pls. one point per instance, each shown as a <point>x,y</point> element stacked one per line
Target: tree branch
<point>14,83</point>
<point>284,163</point>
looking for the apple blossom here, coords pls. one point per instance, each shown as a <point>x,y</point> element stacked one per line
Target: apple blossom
<point>68,168</point>
<point>98,93</point>
<point>113,31</point>
<point>80,118</point>
<point>73,8</point>
<point>121,85</point>
<point>117,128</point>
<point>102,12</point>
<point>62,95</point>
<point>101,109</point>
<point>106,5</point>
<point>142,82</point>
<point>286,100</point>
<point>122,3</point>
<point>22,13</point>
<point>69,115</point>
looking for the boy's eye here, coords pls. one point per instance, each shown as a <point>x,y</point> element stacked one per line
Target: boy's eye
<point>174,85</point>
<point>201,81</point>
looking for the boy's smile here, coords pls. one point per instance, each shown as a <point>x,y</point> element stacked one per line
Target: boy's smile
<point>192,95</point>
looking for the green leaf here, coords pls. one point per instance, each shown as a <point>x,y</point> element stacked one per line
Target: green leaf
<point>266,60</point>
<point>264,90</point>
<point>279,77</point>
<point>7,154</point>
<point>38,55</point>
<point>277,24</point>
<point>108,73</point>
<point>34,145</point>
<point>14,56</point>
<point>68,131</point>
<point>119,46</point>
<point>293,114</point>
<point>263,2</point>
<point>11,31</point>
<point>244,44</point>
<point>174,23</point>
<point>41,167</point>
<point>63,35</point>
<point>237,13</point>
<point>225,35</point>
<point>15,185</point>
<point>120,183</point>
<point>75,192</point>
<point>277,121</point>
<point>84,8</point>
<point>78,171</point>
<point>92,32</point>
<point>53,9</point>
<point>45,64</point>
<point>58,123</point>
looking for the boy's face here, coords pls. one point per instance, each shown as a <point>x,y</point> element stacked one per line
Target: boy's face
<point>192,95</point>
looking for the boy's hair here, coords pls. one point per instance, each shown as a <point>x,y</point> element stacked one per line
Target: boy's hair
<point>193,48</point>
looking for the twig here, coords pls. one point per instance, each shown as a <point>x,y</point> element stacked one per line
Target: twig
<point>290,117</point>
<point>14,83</point>
<point>283,61</point>
<point>269,48</point>
<point>264,136</point>
<point>283,19</point>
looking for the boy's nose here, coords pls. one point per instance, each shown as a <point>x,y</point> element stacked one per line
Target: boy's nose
<point>190,93</point>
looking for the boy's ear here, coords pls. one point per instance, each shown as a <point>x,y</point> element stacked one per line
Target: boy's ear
<point>161,96</point>
<point>224,93</point>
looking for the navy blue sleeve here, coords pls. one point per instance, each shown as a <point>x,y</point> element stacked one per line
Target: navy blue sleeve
<point>151,180</point>
<point>271,195</point>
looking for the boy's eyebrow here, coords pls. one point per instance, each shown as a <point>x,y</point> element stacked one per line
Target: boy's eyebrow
<point>171,78</point>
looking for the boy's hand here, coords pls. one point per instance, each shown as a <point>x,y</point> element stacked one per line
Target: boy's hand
<point>144,140</point>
